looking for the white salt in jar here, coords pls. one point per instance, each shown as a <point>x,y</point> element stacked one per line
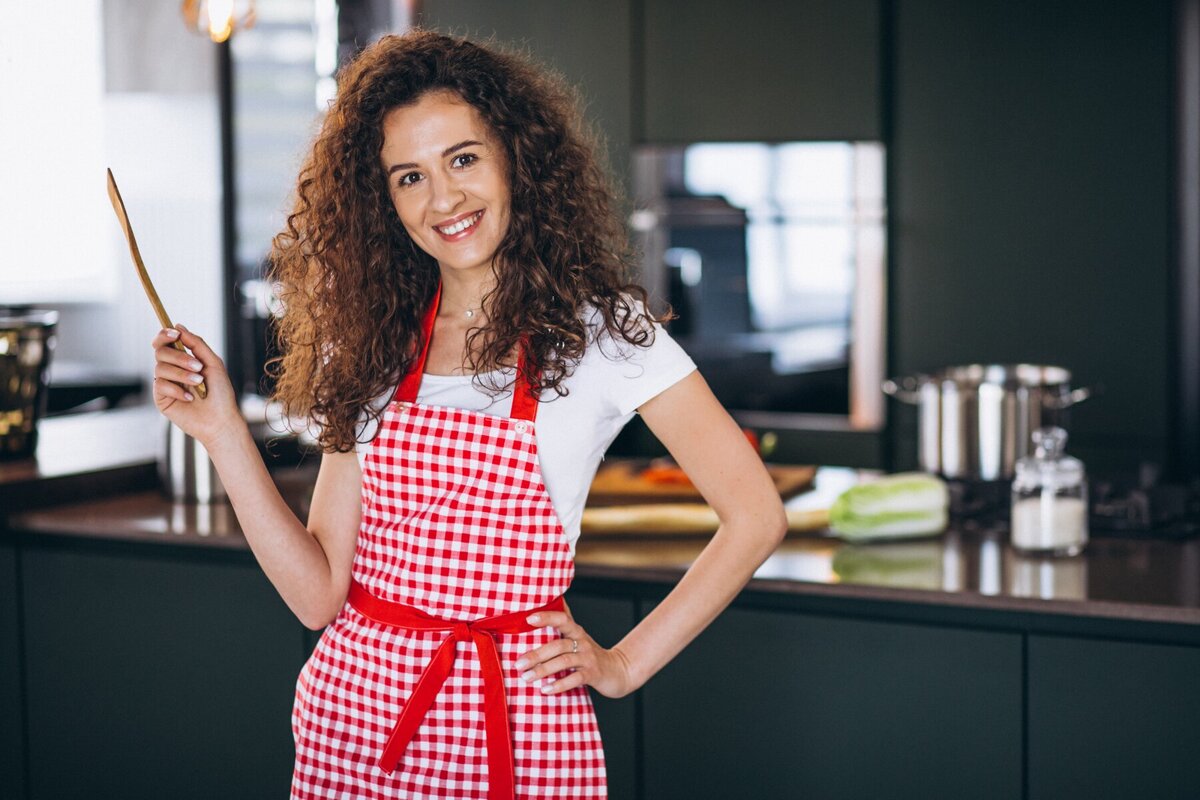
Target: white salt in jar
<point>1049,499</point>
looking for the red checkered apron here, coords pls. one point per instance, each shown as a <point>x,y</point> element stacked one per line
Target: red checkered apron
<point>411,692</point>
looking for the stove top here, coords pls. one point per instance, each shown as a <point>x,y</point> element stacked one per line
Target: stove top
<point>1116,507</point>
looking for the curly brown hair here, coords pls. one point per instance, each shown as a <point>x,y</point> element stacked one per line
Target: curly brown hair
<point>353,284</point>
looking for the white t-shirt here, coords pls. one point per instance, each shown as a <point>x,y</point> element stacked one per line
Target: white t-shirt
<point>610,382</point>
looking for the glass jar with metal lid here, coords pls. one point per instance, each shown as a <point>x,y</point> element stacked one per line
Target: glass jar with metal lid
<point>1049,499</point>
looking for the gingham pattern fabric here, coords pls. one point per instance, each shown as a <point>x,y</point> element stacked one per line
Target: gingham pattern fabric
<point>458,523</point>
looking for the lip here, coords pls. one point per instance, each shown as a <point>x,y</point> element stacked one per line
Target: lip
<point>454,220</point>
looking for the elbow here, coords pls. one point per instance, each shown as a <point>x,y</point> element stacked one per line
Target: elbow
<point>319,618</point>
<point>316,623</point>
<point>772,525</point>
<point>761,529</point>
<point>777,527</point>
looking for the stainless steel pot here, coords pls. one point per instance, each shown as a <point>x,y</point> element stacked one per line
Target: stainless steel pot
<point>975,421</point>
<point>187,473</point>
<point>26,343</point>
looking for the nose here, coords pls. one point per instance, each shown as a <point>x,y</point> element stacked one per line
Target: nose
<point>447,195</point>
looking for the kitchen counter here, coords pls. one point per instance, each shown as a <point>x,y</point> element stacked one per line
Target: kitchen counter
<point>123,613</point>
<point>964,571</point>
<point>105,453</point>
<point>111,457</point>
<point>85,455</point>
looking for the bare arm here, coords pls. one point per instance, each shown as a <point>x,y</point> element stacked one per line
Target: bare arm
<point>710,447</point>
<point>309,566</point>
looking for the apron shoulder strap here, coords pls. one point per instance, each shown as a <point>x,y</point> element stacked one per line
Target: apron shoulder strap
<point>524,404</point>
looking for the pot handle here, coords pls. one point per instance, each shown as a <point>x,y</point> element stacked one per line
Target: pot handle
<point>903,389</point>
<point>1069,399</point>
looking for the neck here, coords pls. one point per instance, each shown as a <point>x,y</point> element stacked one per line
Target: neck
<point>462,295</point>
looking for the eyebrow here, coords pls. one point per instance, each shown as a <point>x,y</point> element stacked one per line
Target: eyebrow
<point>448,151</point>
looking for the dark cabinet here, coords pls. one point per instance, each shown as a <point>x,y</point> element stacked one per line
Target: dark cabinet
<point>777,705</point>
<point>607,620</point>
<point>154,678</point>
<point>1113,719</point>
<point>777,70</point>
<point>12,715</point>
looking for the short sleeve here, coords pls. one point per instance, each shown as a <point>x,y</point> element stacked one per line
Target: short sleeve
<point>639,373</point>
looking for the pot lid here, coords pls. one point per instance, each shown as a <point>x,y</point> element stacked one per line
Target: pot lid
<point>1007,375</point>
<point>22,318</point>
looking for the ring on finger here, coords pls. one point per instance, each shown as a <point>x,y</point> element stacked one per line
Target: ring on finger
<point>574,646</point>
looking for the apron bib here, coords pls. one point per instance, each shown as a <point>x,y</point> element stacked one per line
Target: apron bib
<point>459,542</point>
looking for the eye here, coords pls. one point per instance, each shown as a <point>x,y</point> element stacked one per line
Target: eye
<point>464,159</point>
<point>404,179</point>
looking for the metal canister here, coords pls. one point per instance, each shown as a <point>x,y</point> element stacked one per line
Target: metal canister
<point>976,421</point>
<point>27,340</point>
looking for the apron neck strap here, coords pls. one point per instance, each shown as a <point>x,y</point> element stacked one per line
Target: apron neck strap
<point>524,403</point>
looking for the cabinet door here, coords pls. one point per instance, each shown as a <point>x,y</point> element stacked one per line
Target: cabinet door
<point>770,70</point>
<point>1113,719</point>
<point>587,41</point>
<point>12,716</point>
<point>155,678</point>
<point>777,705</point>
<point>607,620</point>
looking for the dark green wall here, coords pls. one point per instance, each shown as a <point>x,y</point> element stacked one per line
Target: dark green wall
<point>587,42</point>
<point>1031,202</point>
<point>1029,157</point>
<point>766,70</point>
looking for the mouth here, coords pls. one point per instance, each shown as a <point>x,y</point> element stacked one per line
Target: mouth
<point>460,228</point>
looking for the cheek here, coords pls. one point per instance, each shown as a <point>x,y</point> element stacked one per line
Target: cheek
<point>407,218</point>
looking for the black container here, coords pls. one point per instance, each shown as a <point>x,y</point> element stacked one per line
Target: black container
<point>27,339</point>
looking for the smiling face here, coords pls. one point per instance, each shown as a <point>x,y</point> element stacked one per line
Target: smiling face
<point>447,177</point>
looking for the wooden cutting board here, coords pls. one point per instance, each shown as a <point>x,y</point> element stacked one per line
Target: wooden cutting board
<point>619,483</point>
<point>680,519</point>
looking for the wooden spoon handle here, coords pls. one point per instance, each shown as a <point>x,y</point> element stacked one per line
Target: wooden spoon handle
<point>114,196</point>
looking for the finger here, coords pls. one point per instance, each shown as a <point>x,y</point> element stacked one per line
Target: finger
<point>198,346</point>
<point>164,337</point>
<point>556,619</point>
<point>549,650</point>
<point>563,684</point>
<point>171,391</point>
<point>170,355</point>
<point>552,649</point>
<point>179,375</point>
<point>549,662</point>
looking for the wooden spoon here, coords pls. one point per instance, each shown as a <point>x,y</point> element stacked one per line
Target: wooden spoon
<point>118,205</point>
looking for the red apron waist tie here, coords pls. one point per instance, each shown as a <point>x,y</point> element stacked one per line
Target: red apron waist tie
<point>501,783</point>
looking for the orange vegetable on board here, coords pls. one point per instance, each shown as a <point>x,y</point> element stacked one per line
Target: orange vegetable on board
<point>666,473</point>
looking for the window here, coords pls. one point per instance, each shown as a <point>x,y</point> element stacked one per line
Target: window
<point>772,255</point>
<point>56,225</point>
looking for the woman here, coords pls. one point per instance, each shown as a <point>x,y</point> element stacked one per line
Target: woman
<point>452,277</point>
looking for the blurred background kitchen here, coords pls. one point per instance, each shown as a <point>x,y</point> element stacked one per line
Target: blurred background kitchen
<point>829,193</point>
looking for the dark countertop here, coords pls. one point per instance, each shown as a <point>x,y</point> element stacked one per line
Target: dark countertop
<point>1135,580</point>
<point>85,455</point>
<point>104,453</point>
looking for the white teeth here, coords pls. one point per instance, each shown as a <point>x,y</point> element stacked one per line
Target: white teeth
<point>461,225</point>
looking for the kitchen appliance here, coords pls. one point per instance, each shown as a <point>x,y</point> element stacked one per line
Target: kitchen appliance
<point>27,340</point>
<point>187,473</point>
<point>975,421</point>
